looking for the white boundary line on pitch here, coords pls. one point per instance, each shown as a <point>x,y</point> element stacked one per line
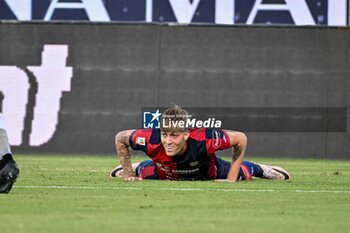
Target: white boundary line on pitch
<point>180,189</point>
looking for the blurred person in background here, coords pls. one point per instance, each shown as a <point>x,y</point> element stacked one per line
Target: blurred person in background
<point>8,167</point>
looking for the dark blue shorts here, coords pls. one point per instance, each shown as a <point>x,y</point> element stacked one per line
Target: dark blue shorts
<point>147,170</point>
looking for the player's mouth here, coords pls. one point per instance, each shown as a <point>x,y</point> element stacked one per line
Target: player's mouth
<point>169,148</point>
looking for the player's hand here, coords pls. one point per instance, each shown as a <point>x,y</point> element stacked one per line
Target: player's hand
<point>132,178</point>
<point>225,180</point>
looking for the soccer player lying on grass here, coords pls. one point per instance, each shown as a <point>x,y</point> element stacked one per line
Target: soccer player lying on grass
<point>8,168</point>
<point>179,153</point>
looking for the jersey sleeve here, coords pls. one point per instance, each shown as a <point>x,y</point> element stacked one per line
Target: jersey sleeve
<point>139,139</point>
<point>216,139</point>
<point>147,140</point>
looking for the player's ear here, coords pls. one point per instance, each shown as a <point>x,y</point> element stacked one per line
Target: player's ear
<point>187,134</point>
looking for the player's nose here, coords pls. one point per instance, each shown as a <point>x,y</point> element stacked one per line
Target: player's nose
<point>168,140</point>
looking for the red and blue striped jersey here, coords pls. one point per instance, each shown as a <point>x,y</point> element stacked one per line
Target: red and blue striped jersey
<point>198,161</point>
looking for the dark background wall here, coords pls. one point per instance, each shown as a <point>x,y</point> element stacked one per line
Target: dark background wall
<point>120,68</point>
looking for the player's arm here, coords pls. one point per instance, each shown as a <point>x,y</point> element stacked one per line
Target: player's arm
<point>122,145</point>
<point>238,142</point>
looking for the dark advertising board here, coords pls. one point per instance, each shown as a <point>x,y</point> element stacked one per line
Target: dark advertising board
<point>69,88</point>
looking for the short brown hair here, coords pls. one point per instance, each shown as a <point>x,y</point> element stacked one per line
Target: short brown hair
<point>171,117</point>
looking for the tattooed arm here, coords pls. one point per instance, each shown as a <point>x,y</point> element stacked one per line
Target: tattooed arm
<point>122,145</point>
<point>239,144</point>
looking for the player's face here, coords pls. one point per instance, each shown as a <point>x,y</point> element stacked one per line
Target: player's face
<point>174,142</point>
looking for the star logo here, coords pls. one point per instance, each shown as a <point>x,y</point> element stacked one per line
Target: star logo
<point>156,115</point>
<point>151,119</point>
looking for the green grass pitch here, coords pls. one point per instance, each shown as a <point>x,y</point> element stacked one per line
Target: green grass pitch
<point>76,194</point>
